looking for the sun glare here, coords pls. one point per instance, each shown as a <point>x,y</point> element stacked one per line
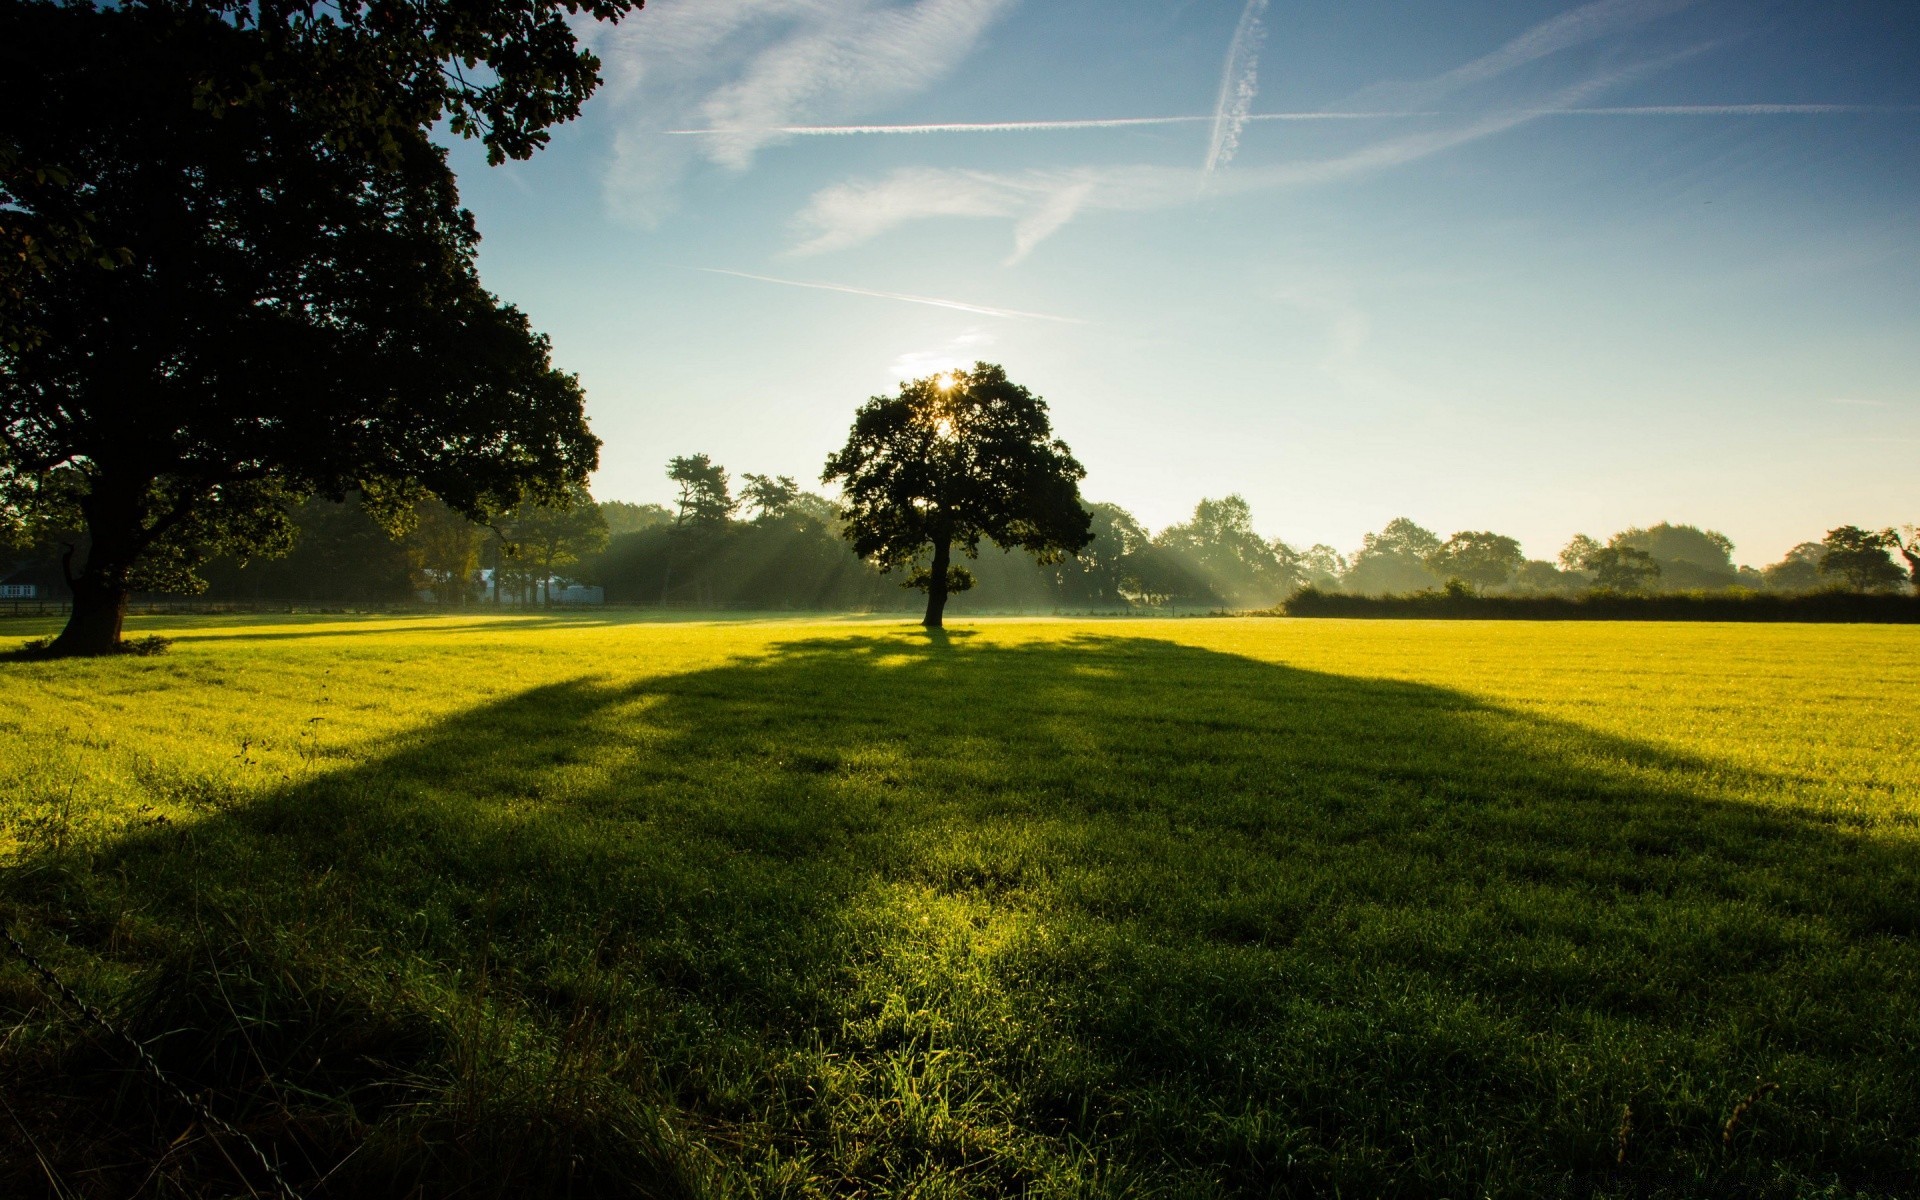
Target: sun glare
<point>945,382</point>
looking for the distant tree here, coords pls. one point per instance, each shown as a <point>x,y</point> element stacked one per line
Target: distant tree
<point>1401,537</point>
<point>1689,557</point>
<point>1622,568</point>
<point>953,459</point>
<point>623,516</point>
<point>1798,570</point>
<point>1538,576</point>
<point>1574,555</point>
<point>1393,560</point>
<point>286,302</point>
<point>444,549</point>
<point>770,498</point>
<point>547,537</point>
<point>1237,566</point>
<point>1106,569</point>
<point>1861,559</point>
<point>1323,566</point>
<point>704,497</point>
<point>1481,559</point>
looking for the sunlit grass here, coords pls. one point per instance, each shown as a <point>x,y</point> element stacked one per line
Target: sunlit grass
<point>1200,907</point>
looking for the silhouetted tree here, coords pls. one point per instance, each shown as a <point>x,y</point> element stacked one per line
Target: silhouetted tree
<point>704,497</point>
<point>1860,558</point>
<point>771,498</point>
<point>1481,559</point>
<point>952,459</point>
<point>296,310</point>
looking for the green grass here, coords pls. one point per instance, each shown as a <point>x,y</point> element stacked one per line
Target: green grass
<point>583,906</point>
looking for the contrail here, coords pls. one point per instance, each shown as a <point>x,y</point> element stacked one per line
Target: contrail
<point>1011,314</point>
<point>1645,110</point>
<point>1239,82</point>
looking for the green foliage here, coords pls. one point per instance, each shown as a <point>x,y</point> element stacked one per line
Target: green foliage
<point>1482,560</point>
<point>1393,560</point>
<point>1860,559</point>
<point>1226,561</point>
<point>1574,555</point>
<point>1623,569</point>
<point>1798,570</point>
<point>771,498</point>
<point>546,907</point>
<point>537,540</point>
<point>1690,558</point>
<point>705,496</point>
<point>1458,601</point>
<point>621,516</point>
<point>298,312</point>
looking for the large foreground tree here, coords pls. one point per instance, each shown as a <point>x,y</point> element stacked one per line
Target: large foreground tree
<point>953,459</point>
<point>261,285</point>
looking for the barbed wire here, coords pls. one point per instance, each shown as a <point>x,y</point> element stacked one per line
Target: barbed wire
<point>206,1115</point>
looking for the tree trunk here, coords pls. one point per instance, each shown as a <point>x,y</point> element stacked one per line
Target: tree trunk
<point>114,536</point>
<point>99,613</point>
<point>937,584</point>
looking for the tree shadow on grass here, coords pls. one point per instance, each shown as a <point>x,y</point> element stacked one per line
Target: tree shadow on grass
<point>874,915</point>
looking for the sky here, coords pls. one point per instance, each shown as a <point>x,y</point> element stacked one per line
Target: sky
<point>1538,268</point>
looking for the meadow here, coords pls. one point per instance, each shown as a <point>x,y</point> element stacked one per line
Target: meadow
<point>593,906</point>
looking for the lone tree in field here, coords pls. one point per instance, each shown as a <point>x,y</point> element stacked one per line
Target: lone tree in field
<point>952,459</point>
<point>236,274</point>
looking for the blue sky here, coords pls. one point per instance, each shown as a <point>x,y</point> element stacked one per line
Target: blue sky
<point>1536,268</point>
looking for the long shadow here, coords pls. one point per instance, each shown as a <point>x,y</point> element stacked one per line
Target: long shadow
<point>1111,916</point>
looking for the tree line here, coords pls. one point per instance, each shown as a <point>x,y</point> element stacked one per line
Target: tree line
<point>765,542</point>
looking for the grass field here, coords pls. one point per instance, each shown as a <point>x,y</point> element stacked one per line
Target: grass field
<point>594,907</point>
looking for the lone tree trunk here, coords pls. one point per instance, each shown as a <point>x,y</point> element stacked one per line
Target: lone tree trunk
<point>116,536</point>
<point>99,612</point>
<point>937,584</point>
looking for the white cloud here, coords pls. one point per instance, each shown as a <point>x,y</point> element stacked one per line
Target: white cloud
<point>1239,84</point>
<point>754,67</point>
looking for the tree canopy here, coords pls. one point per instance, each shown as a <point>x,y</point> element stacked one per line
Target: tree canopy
<point>286,309</point>
<point>953,459</point>
<point>1481,559</point>
<point>1861,558</point>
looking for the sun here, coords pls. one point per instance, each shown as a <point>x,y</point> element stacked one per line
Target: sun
<point>945,382</point>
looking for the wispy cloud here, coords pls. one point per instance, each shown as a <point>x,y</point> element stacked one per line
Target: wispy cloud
<point>1576,27</point>
<point>1010,314</point>
<point>1040,202</point>
<point>755,67</point>
<point>1239,84</point>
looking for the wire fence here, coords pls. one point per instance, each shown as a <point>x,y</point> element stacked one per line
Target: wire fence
<point>209,1119</point>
